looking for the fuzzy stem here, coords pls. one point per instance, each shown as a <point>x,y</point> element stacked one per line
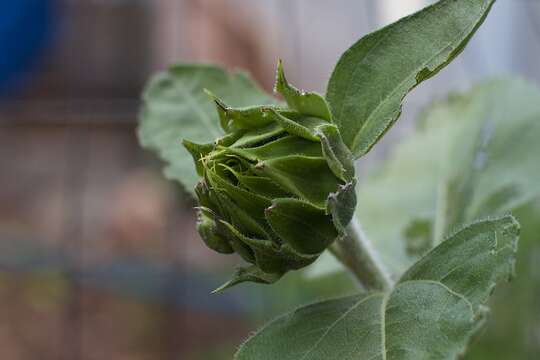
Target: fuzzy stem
<point>356,252</point>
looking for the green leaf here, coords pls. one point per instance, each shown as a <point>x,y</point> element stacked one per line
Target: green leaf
<point>176,108</point>
<point>509,332</point>
<point>431,313</point>
<point>371,79</point>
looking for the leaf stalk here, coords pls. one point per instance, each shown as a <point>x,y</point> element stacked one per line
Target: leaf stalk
<point>355,251</point>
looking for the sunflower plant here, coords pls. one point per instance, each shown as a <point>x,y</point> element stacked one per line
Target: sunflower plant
<point>274,180</point>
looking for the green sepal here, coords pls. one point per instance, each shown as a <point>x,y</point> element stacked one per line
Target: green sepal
<point>250,273</point>
<point>241,218</point>
<point>198,151</point>
<point>229,138</point>
<point>263,186</point>
<point>307,177</point>
<point>308,103</point>
<point>302,126</point>
<point>243,250</point>
<point>271,257</point>
<point>248,118</point>
<point>238,118</point>
<point>307,229</point>
<point>258,136</point>
<point>248,201</point>
<point>203,194</point>
<point>337,154</point>
<point>208,229</point>
<point>341,205</point>
<point>287,145</point>
<point>238,246</point>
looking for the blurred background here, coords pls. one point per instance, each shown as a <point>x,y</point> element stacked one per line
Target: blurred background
<point>99,258</point>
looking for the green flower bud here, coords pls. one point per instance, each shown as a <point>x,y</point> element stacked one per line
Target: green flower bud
<point>278,188</point>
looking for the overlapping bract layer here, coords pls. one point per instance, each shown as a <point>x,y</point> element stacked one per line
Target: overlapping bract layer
<point>278,188</point>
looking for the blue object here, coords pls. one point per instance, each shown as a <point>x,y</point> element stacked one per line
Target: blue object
<point>25,26</point>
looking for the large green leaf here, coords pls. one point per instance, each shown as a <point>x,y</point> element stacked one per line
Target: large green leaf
<point>372,77</point>
<point>176,107</point>
<point>431,313</point>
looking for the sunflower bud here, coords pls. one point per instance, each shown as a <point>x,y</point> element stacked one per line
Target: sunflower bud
<point>278,188</point>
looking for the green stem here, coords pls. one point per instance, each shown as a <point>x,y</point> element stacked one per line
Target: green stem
<point>356,252</point>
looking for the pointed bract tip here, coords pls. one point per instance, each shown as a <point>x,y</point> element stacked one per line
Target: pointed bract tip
<point>281,81</point>
<point>209,93</point>
<point>223,287</point>
<point>216,99</point>
<point>280,68</point>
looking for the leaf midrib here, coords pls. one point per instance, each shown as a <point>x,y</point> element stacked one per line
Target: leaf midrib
<point>384,302</point>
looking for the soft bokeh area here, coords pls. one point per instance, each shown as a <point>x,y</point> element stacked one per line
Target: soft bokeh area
<point>99,257</point>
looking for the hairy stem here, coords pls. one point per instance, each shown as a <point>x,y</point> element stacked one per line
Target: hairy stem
<point>356,252</point>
